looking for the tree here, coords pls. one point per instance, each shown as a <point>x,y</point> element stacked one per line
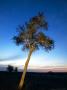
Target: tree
<point>32,36</point>
<point>15,69</point>
<point>10,68</point>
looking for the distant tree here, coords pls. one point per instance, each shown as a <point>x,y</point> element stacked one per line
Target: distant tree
<point>32,36</point>
<point>15,69</point>
<point>10,68</point>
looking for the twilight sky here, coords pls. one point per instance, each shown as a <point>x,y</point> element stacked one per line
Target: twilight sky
<point>17,12</point>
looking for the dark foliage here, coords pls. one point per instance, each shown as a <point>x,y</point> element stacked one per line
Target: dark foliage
<point>10,68</point>
<point>16,70</point>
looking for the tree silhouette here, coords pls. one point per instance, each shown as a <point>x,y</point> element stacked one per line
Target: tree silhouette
<point>32,36</point>
<point>10,68</point>
<point>15,69</point>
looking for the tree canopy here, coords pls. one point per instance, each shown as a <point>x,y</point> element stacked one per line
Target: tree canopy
<point>32,34</point>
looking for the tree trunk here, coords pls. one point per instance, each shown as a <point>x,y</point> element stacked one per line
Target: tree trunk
<point>25,69</point>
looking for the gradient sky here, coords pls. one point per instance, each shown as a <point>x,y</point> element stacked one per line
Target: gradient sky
<point>17,12</point>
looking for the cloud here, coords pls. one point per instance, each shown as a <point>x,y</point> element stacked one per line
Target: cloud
<point>11,58</point>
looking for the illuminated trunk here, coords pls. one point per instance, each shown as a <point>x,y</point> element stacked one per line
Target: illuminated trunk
<point>25,69</point>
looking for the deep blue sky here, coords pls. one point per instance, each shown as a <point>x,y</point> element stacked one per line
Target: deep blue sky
<point>17,12</point>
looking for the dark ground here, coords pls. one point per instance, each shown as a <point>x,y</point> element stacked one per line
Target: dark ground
<point>34,81</point>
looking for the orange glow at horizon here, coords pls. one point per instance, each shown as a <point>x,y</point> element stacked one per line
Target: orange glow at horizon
<point>35,66</point>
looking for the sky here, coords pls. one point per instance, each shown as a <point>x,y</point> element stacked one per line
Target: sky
<point>16,12</point>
